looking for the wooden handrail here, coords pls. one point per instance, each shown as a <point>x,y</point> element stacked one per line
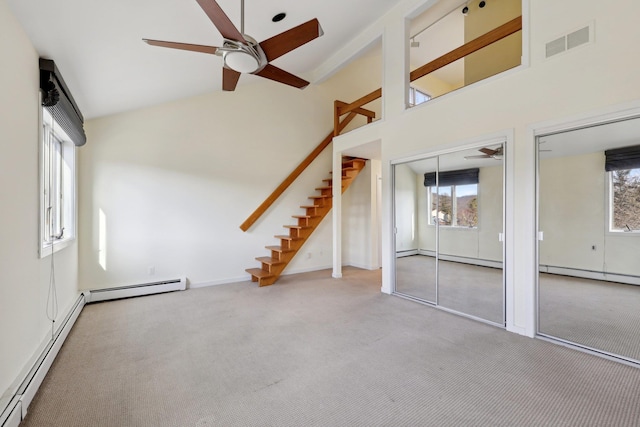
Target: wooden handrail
<point>292,176</point>
<point>360,102</point>
<point>355,108</point>
<point>478,43</point>
<point>484,40</point>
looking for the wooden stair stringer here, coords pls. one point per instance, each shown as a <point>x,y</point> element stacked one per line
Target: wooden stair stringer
<point>272,267</point>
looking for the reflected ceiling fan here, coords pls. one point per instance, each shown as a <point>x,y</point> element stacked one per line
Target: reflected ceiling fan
<point>243,54</point>
<point>488,153</point>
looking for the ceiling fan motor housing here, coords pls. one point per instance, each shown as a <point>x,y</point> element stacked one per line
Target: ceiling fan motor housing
<point>243,57</point>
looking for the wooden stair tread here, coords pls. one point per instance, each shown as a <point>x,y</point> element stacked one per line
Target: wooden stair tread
<point>277,262</point>
<point>269,260</point>
<point>287,238</point>
<point>258,272</point>
<point>278,249</point>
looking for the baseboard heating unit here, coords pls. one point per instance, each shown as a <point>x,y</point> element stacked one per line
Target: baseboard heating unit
<point>136,290</point>
<point>17,409</point>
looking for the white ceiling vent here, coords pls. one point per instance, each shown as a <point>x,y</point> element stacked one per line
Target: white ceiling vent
<point>569,41</point>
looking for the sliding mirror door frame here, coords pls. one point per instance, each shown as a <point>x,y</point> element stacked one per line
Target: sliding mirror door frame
<point>543,329</point>
<point>503,236</point>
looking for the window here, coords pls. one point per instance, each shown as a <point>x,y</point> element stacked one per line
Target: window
<point>454,205</point>
<point>623,167</point>
<point>625,200</point>
<point>417,97</point>
<point>62,130</point>
<point>57,187</point>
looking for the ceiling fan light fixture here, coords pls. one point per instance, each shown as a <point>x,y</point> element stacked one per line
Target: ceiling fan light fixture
<point>241,62</point>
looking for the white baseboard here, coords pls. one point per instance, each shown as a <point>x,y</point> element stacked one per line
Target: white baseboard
<point>247,278</point>
<point>463,260</point>
<point>12,415</point>
<point>288,272</point>
<point>219,282</point>
<point>517,330</point>
<point>401,254</point>
<point>41,362</point>
<point>362,266</point>
<point>588,274</point>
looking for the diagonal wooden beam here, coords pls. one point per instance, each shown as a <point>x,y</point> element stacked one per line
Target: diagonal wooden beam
<point>367,113</point>
<point>484,40</point>
<point>360,102</point>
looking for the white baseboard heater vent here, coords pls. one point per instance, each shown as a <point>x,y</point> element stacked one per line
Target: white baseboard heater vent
<point>136,290</point>
<point>15,412</point>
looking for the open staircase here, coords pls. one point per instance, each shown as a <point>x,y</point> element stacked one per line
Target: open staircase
<point>272,266</point>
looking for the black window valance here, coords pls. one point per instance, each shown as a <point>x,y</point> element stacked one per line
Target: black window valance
<point>622,158</point>
<point>58,100</point>
<point>459,177</point>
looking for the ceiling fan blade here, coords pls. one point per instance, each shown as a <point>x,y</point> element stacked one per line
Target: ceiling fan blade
<point>484,156</point>
<point>183,46</point>
<point>488,151</point>
<point>274,73</point>
<point>229,79</point>
<point>291,39</point>
<point>220,20</point>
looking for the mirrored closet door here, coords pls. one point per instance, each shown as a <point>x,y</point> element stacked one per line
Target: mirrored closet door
<point>449,224</point>
<point>589,232</point>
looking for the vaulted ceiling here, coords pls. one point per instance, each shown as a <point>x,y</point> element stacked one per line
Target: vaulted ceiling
<point>98,46</point>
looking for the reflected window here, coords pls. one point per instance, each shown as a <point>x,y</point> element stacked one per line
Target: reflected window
<point>454,205</point>
<point>625,200</point>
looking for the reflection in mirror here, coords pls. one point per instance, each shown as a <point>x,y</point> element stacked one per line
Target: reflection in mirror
<point>448,222</point>
<point>415,272</point>
<point>470,247</point>
<point>589,217</point>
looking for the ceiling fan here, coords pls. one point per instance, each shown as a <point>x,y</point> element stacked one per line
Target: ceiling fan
<point>243,54</point>
<point>488,153</point>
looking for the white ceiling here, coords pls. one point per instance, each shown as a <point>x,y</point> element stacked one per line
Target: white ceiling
<point>591,139</point>
<point>98,49</point>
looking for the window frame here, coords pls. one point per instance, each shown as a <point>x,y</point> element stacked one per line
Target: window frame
<point>62,215</point>
<point>412,96</point>
<point>454,207</point>
<point>609,210</point>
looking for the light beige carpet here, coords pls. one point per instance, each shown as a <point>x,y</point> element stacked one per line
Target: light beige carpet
<point>316,351</point>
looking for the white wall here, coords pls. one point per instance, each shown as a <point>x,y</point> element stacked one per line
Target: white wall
<point>573,204</point>
<point>513,103</point>
<point>175,182</point>
<point>360,236</point>
<point>407,210</point>
<point>24,278</point>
